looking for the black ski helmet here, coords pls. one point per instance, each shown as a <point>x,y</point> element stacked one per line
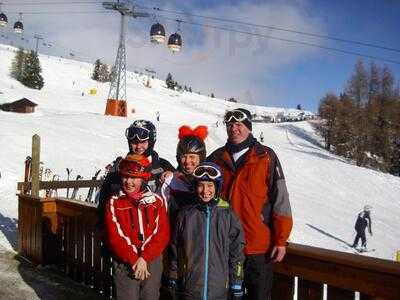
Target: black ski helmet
<point>133,130</point>
<point>191,141</point>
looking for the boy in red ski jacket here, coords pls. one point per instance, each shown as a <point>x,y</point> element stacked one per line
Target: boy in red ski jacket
<point>137,232</point>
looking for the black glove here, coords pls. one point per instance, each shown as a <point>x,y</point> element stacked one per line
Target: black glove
<point>236,292</point>
<point>172,283</point>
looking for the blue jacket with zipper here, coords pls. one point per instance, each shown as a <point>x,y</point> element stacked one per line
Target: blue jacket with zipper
<point>207,250</point>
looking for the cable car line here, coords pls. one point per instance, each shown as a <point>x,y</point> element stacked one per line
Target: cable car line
<point>219,19</point>
<point>62,12</point>
<point>48,3</point>
<point>321,36</point>
<point>175,41</point>
<point>288,40</point>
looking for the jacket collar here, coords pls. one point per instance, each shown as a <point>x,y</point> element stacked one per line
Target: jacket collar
<point>255,152</point>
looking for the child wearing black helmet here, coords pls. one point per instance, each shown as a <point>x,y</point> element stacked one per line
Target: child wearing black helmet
<point>141,136</point>
<point>207,243</point>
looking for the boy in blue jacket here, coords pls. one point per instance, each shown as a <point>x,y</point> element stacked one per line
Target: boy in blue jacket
<point>207,243</point>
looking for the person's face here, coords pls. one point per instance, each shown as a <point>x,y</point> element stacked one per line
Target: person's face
<point>205,190</point>
<point>237,132</point>
<point>131,184</point>
<point>189,162</point>
<point>139,147</point>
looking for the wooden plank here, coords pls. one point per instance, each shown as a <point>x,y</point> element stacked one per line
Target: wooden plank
<point>89,270</point>
<point>97,262</point>
<point>107,275</point>
<point>365,297</point>
<point>308,290</point>
<point>63,244</point>
<point>335,293</point>
<point>371,278</point>
<point>67,241</point>
<point>79,249</point>
<point>35,165</point>
<point>283,287</point>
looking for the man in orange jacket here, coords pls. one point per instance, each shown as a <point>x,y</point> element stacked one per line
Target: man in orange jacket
<point>255,186</point>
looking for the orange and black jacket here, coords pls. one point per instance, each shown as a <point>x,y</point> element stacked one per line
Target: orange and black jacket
<point>256,190</point>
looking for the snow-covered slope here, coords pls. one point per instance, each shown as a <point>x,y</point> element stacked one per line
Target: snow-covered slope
<point>326,191</point>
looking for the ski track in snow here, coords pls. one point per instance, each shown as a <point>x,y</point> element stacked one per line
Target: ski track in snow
<point>326,191</point>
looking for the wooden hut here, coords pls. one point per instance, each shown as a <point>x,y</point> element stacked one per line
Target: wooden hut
<point>20,106</point>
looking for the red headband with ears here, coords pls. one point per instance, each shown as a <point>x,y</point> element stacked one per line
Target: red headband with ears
<point>200,131</point>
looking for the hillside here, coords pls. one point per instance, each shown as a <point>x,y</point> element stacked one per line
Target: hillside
<point>326,191</point>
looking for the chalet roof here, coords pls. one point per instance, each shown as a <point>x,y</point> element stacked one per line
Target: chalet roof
<point>24,102</point>
<point>21,102</point>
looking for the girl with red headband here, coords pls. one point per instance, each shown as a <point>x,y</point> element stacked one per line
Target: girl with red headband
<point>137,232</point>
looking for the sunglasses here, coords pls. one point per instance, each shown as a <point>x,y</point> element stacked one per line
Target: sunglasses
<point>234,116</point>
<point>209,171</point>
<point>137,133</point>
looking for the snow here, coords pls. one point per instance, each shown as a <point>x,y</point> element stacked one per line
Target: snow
<point>326,191</point>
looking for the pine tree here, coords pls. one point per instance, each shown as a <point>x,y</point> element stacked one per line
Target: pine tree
<point>170,82</point>
<point>31,76</point>
<point>212,95</point>
<point>104,74</point>
<point>96,70</point>
<point>17,65</point>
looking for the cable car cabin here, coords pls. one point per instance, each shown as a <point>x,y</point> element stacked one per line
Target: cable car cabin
<point>3,20</point>
<point>157,33</point>
<point>175,42</point>
<point>18,27</point>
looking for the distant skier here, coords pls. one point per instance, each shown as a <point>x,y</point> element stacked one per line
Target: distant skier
<point>158,116</point>
<point>261,137</point>
<point>363,221</point>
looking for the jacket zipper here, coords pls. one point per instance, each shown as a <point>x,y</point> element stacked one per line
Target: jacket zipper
<point>205,290</point>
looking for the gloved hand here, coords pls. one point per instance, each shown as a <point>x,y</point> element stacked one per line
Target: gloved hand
<point>236,292</point>
<point>172,283</point>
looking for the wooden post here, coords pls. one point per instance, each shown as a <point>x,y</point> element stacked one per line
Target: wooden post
<point>35,165</point>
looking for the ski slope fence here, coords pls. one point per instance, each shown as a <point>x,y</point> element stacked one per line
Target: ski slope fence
<point>62,232</point>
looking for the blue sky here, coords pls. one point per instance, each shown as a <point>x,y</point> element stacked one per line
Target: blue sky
<point>252,69</point>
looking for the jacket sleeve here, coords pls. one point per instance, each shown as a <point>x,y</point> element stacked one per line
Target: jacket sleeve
<point>166,165</point>
<point>110,186</point>
<point>104,194</point>
<point>160,239</point>
<point>236,254</point>
<point>118,243</point>
<point>281,213</point>
<point>174,246</point>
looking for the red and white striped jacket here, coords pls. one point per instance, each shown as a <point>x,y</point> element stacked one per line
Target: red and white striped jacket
<point>136,228</point>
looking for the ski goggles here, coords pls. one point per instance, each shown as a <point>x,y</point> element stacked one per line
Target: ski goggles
<point>209,171</point>
<point>137,133</point>
<point>234,116</point>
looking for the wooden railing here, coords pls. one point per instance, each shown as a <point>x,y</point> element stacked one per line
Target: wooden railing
<point>63,232</point>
